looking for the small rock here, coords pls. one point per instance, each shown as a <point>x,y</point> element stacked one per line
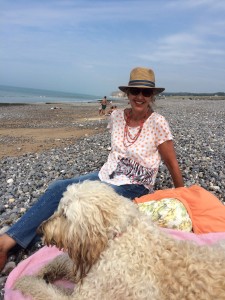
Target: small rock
<point>8,267</point>
<point>11,200</point>
<point>10,181</point>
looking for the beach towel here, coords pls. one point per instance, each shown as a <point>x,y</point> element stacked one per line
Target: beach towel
<point>29,266</point>
<point>33,263</point>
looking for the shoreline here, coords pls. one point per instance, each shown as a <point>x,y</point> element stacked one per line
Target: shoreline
<point>115,101</point>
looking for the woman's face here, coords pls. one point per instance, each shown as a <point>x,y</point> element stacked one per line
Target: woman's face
<point>140,99</point>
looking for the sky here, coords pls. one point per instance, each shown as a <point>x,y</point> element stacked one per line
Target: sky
<point>90,46</point>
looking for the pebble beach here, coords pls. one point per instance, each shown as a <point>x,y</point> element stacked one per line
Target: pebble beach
<point>74,140</point>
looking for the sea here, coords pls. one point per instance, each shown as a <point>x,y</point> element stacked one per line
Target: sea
<point>10,94</point>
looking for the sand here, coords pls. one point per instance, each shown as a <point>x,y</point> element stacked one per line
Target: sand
<point>39,127</point>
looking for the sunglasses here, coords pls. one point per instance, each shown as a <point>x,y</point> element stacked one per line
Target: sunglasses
<point>136,91</point>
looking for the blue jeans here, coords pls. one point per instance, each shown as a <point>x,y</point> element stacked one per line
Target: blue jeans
<point>24,231</point>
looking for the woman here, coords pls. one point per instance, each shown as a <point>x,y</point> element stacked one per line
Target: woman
<point>140,137</point>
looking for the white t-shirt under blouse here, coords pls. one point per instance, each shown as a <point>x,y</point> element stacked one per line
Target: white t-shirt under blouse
<point>138,163</point>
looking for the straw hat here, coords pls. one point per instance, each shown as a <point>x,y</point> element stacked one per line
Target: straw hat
<point>142,78</point>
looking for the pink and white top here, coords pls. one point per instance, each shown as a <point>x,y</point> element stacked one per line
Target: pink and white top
<point>138,163</point>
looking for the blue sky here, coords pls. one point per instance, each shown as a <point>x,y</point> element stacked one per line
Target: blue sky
<point>90,46</point>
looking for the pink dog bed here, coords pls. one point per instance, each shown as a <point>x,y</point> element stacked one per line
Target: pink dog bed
<point>33,263</point>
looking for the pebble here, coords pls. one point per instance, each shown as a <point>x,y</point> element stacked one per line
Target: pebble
<point>8,268</point>
<point>198,127</point>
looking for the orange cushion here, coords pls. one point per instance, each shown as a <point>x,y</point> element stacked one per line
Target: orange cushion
<point>206,211</point>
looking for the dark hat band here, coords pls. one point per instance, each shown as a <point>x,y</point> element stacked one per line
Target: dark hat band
<point>142,82</point>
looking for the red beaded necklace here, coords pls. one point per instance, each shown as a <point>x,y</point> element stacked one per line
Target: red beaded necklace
<point>128,139</point>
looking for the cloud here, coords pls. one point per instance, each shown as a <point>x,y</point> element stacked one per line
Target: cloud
<point>64,38</point>
<point>184,49</point>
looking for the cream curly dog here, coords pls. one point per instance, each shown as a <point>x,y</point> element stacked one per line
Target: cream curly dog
<point>115,252</point>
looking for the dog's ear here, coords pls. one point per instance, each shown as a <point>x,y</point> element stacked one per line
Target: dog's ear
<point>91,211</point>
<point>85,248</point>
<point>88,253</point>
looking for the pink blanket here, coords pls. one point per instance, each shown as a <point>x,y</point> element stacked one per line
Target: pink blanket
<point>33,263</point>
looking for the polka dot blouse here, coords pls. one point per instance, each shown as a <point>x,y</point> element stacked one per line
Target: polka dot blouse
<point>138,163</point>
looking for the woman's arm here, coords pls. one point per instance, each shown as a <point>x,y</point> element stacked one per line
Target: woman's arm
<point>168,154</point>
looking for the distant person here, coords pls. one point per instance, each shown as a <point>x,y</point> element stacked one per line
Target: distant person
<point>112,108</point>
<point>104,103</point>
<point>140,138</point>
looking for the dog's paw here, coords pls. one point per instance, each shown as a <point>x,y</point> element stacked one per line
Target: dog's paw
<point>34,287</point>
<point>19,283</point>
<point>24,283</point>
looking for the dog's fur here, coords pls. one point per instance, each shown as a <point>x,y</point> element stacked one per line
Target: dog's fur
<point>115,252</point>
